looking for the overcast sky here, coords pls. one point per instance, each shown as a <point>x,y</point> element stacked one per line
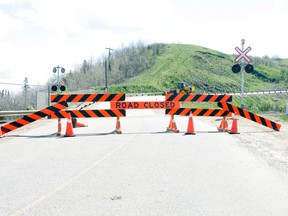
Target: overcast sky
<point>36,35</point>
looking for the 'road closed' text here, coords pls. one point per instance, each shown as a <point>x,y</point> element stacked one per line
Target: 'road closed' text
<point>144,105</point>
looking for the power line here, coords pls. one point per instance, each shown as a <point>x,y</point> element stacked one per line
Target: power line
<point>11,83</point>
<point>18,84</point>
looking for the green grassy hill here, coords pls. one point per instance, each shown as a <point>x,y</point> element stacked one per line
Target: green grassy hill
<point>207,70</point>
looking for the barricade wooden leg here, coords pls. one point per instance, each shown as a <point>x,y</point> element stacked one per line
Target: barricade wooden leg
<point>170,126</point>
<point>59,127</point>
<point>74,122</point>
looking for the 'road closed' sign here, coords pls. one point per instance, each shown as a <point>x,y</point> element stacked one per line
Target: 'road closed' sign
<point>144,104</point>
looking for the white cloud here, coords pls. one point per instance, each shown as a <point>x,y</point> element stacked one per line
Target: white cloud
<point>91,16</point>
<point>9,25</point>
<point>37,35</point>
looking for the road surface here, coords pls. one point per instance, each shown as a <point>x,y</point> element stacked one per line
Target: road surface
<point>145,170</point>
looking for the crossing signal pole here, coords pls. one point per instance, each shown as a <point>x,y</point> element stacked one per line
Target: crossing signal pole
<point>242,72</point>
<point>240,66</point>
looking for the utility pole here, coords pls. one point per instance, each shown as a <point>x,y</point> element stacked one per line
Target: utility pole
<point>107,67</point>
<point>25,91</point>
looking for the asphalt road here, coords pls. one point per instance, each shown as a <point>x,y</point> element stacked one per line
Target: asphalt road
<point>144,171</point>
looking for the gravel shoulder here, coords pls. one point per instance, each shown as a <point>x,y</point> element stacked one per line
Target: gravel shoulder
<point>268,145</point>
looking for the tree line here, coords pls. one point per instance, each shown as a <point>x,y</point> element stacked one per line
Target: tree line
<point>26,99</point>
<point>124,63</point>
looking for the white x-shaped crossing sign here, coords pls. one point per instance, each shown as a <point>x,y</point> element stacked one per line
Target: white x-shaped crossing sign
<point>242,54</point>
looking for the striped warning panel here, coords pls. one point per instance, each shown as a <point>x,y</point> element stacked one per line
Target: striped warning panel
<point>251,116</point>
<point>198,112</point>
<point>86,97</point>
<point>198,97</point>
<point>33,117</point>
<point>90,113</point>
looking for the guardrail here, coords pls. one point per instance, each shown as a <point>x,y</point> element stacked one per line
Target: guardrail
<point>258,92</point>
<point>227,93</point>
<point>16,112</point>
<point>144,94</point>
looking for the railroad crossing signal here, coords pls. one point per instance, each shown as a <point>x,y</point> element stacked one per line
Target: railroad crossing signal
<point>242,54</point>
<point>60,83</point>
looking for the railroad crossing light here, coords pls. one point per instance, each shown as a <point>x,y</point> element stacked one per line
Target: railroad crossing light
<point>54,88</point>
<point>62,88</point>
<point>249,68</point>
<point>236,68</point>
<point>54,70</point>
<point>62,70</point>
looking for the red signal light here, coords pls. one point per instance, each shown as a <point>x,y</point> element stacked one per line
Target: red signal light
<point>249,68</point>
<point>236,68</point>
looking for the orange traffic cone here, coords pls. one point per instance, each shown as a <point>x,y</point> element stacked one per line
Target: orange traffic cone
<point>78,124</point>
<point>118,126</point>
<point>59,127</point>
<point>223,125</point>
<point>69,127</point>
<point>170,126</point>
<point>1,135</point>
<point>190,127</point>
<point>234,127</point>
<point>75,123</point>
<point>174,127</point>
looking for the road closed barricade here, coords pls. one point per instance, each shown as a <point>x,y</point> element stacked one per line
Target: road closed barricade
<point>118,107</point>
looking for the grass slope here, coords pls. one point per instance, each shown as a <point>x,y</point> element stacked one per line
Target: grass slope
<point>208,70</point>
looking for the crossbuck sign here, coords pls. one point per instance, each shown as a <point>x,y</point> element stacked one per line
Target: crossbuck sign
<point>242,54</point>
